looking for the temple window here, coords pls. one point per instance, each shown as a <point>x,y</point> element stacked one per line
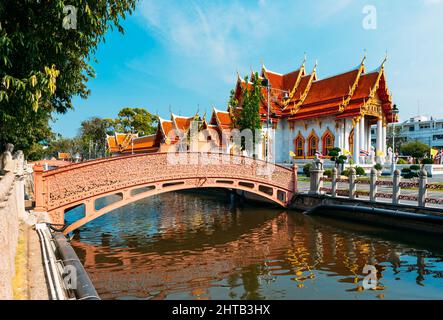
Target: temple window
<point>299,144</point>
<point>328,142</point>
<point>313,144</point>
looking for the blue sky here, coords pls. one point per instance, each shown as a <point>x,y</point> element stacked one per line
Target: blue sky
<point>183,55</point>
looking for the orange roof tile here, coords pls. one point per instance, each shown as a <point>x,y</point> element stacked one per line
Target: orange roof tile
<point>335,87</point>
<point>182,123</point>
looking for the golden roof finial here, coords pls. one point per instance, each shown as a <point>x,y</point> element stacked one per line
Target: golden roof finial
<point>385,59</point>
<point>364,57</point>
<point>305,57</point>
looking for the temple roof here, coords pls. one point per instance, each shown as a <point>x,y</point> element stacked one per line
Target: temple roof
<point>221,119</point>
<point>342,95</point>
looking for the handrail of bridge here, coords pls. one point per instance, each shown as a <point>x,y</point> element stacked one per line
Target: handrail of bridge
<point>95,161</point>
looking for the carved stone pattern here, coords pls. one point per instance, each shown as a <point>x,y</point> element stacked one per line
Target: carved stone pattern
<point>73,183</point>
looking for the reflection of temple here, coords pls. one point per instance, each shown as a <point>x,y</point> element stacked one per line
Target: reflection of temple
<point>285,245</point>
<point>169,132</point>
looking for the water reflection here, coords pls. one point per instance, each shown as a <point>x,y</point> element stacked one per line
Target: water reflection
<point>187,246</point>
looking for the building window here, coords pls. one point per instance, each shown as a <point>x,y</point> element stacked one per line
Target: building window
<point>328,142</point>
<point>313,144</point>
<point>411,128</point>
<point>299,144</point>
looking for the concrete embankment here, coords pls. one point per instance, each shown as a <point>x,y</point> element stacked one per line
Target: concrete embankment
<point>9,232</point>
<point>21,269</point>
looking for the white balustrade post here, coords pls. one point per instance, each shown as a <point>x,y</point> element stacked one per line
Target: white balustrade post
<point>373,185</point>
<point>422,192</point>
<point>316,178</point>
<point>396,187</point>
<point>334,182</point>
<point>352,184</point>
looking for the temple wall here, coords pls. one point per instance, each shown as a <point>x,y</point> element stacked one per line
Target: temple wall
<point>285,136</point>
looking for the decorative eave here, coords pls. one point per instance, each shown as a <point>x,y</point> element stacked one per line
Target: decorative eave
<point>301,73</point>
<point>352,89</point>
<point>303,96</point>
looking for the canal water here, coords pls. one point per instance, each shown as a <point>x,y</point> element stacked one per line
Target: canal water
<point>193,246</point>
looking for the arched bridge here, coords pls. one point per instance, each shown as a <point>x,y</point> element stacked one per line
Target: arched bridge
<point>138,176</point>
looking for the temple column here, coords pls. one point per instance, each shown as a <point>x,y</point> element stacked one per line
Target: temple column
<point>346,136</point>
<point>356,154</point>
<point>339,134</point>
<point>368,133</point>
<point>385,151</point>
<point>379,146</point>
<point>362,137</point>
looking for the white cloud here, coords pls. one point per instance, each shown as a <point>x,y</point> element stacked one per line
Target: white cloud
<point>432,2</point>
<point>224,36</point>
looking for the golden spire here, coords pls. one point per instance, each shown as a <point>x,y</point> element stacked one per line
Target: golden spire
<point>304,60</point>
<point>364,58</point>
<point>384,60</point>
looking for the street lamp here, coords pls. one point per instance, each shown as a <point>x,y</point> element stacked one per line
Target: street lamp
<point>394,112</point>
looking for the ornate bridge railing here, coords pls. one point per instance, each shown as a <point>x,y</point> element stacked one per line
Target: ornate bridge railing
<point>137,176</point>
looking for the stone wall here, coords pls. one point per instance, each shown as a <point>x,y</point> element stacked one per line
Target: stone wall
<point>11,210</point>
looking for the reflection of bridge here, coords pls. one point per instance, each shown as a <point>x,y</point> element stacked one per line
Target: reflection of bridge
<point>293,246</point>
<point>138,176</point>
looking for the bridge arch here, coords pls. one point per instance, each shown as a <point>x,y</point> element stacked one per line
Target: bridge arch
<point>139,176</point>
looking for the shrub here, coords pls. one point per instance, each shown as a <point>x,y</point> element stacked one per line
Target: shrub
<point>427,161</point>
<point>406,170</point>
<point>307,169</point>
<point>360,171</point>
<point>328,173</point>
<point>414,167</point>
<point>378,167</point>
<point>402,161</point>
<point>411,175</point>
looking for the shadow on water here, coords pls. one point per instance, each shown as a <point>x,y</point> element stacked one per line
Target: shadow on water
<point>414,239</point>
<point>196,246</point>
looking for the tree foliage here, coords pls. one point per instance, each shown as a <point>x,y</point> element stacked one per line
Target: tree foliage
<point>43,65</point>
<point>338,158</point>
<point>250,113</point>
<point>415,149</point>
<point>136,120</point>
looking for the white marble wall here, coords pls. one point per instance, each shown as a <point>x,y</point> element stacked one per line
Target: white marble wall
<point>284,135</point>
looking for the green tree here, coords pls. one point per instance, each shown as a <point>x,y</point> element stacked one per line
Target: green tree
<point>92,136</point>
<point>136,120</point>
<point>250,103</point>
<point>415,149</point>
<point>43,64</point>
